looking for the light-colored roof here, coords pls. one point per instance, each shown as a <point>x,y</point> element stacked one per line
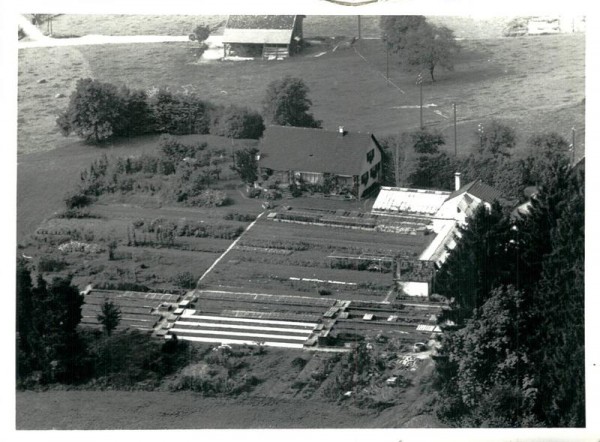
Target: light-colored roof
<point>257,36</point>
<point>400,200</point>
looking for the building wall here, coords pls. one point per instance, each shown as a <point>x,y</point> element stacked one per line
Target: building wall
<point>367,166</point>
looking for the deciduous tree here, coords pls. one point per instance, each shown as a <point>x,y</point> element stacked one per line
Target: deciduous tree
<point>395,27</point>
<point>420,44</point>
<point>94,111</point>
<point>246,165</point>
<point>286,103</point>
<point>496,138</point>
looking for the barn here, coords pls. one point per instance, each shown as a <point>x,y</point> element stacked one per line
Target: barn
<point>268,36</point>
<point>337,162</point>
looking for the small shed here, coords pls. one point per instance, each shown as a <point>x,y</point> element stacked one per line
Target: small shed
<point>267,36</point>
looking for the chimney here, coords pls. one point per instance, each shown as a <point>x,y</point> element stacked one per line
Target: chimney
<point>341,131</point>
<point>457,181</point>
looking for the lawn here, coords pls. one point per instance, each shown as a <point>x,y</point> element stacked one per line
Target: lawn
<point>533,83</point>
<point>314,25</point>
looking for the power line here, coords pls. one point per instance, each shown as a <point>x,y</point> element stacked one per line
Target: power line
<point>376,70</point>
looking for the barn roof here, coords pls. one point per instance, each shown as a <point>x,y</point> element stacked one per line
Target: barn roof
<point>479,190</point>
<point>314,150</point>
<point>259,29</point>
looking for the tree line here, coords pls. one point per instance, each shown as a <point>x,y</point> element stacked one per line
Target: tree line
<point>416,159</point>
<point>98,111</point>
<point>512,352</point>
<point>52,348</point>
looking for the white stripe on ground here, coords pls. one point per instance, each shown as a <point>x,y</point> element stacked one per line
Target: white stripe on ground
<point>101,40</point>
<point>237,341</point>
<point>250,320</point>
<point>243,327</point>
<point>228,333</point>
<point>229,248</point>
<point>387,298</point>
<point>376,70</point>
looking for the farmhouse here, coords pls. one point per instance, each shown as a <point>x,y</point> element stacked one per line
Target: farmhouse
<point>269,36</point>
<point>334,162</point>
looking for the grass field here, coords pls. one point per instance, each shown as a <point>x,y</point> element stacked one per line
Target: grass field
<point>288,397</point>
<point>534,83</point>
<point>314,25</point>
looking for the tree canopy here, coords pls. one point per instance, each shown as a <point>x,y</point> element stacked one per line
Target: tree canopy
<point>394,29</point>
<point>516,354</point>
<point>420,44</point>
<point>496,138</point>
<point>286,103</point>
<point>109,316</point>
<point>47,318</point>
<point>98,111</point>
<point>93,112</point>
<point>246,165</point>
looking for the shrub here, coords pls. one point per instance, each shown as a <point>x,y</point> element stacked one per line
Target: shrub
<point>237,122</point>
<point>77,200</point>
<point>299,363</point>
<point>185,280</point>
<point>210,198</point>
<point>76,213</point>
<point>243,217</point>
<point>324,292</point>
<point>254,193</point>
<point>49,264</point>
<point>124,285</point>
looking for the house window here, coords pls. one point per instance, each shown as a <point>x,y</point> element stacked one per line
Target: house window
<point>370,155</point>
<point>374,170</point>
<point>311,177</point>
<point>364,179</point>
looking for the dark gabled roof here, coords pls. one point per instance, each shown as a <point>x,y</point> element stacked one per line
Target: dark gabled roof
<point>259,29</point>
<point>313,150</point>
<point>260,22</point>
<point>480,190</point>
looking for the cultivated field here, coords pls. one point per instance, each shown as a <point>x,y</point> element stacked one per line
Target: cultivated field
<point>45,177</point>
<point>293,259</point>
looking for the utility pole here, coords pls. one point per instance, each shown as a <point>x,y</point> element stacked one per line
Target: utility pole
<point>573,146</point>
<point>397,166</point>
<point>420,83</point>
<point>387,66</point>
<point>455,144</point>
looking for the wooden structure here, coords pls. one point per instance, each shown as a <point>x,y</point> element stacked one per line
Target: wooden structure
<point>272,37</point>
